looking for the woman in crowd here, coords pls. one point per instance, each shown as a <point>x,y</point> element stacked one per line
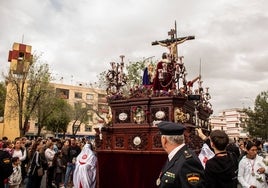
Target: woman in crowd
<point>49,154</point>
<point>64,152</point>
<point>20,152</point>
<point>37,161</point>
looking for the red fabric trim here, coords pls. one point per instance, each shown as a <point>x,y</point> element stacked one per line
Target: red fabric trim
<point>81,163</point>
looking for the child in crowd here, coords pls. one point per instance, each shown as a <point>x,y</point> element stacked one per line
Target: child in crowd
<point>15,178</point>
<point>59,168</point>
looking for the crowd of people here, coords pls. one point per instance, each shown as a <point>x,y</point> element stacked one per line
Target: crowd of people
<point>53,162</point>
<point>72,163</point>
<point>226,164</point>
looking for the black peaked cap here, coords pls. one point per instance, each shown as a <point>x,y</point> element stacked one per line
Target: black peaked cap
<point>170,128</point>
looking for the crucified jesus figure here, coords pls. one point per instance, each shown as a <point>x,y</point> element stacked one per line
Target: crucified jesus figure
<point>172,46</point>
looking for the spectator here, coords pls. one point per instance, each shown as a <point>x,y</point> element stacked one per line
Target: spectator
<point>220,170</point>
<point>64,152</point>
<point>15,178</point>
<point>59,168</point>
<point>233,148</point>
<point>242,149</point>
<point>21,152</point>
<point>73,152</point>
<point>6,167</point>
<point>49,154</point>
<point>4,138</point>
<point>8,146</point>
<point>251,170</point>
<point>36,163</point>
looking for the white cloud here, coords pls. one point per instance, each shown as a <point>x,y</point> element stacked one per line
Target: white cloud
<point>79,38</point>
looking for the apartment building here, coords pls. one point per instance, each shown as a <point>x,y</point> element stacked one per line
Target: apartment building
<point>91,98</point>
<point>231,121</point>
<point>20,58</point>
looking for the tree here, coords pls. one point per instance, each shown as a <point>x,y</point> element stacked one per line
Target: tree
<point>134,74</point>
<point>257,122</point>
<point>59,119</point>
<point>102,81</point>
<point>80,115</point>
<point>2,98</point>
<point>26,89</point>
<point>46,106</point>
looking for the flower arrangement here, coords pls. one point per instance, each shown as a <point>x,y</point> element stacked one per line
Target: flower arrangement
<point>140,91</point>
<point>138,114</point>
<point>180,116</point>
<point>114,97</point>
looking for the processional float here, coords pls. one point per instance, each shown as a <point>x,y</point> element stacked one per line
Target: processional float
<point>128,148</point>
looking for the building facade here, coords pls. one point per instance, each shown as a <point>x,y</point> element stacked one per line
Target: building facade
<point>232,121</point>
<point>21,59</point>
<point>90,98</point>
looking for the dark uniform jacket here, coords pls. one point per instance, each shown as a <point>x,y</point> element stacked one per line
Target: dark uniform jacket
<point>183,171</point>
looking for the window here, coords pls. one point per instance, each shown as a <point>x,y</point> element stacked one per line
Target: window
<point>90,117</point>
<point>62,93</point>
<point>89,96</point>
<point>21,56</point>
<point>89,106</point>
<point>88,128</point>
<point>243,125</point>
<point>102,98</point>
<point>78,95</point>
<point>77,127</point>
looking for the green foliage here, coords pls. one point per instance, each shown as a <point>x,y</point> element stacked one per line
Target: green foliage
<point>58,121</point>
<point>257,122</point>
<point>45,108</point>
<point>102,81</point>
<point>80,115</point>
<point>27,89</point>
<point>37,86</point>
<point>2,98</point>
<point>134,72</point>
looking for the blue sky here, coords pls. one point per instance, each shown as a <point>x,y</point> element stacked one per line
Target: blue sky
<point>78,39</point>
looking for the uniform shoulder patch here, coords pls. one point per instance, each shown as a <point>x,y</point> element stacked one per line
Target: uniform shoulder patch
<point>193,178</point>
<point>187,154</point>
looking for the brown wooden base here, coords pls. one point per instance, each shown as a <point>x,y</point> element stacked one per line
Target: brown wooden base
<point>125,170</point>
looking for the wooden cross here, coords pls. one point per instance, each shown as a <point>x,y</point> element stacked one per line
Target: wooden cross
<point>172,33</point>
<point>173,42</point>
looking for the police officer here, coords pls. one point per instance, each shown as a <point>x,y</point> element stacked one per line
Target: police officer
<point>183,168</point>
